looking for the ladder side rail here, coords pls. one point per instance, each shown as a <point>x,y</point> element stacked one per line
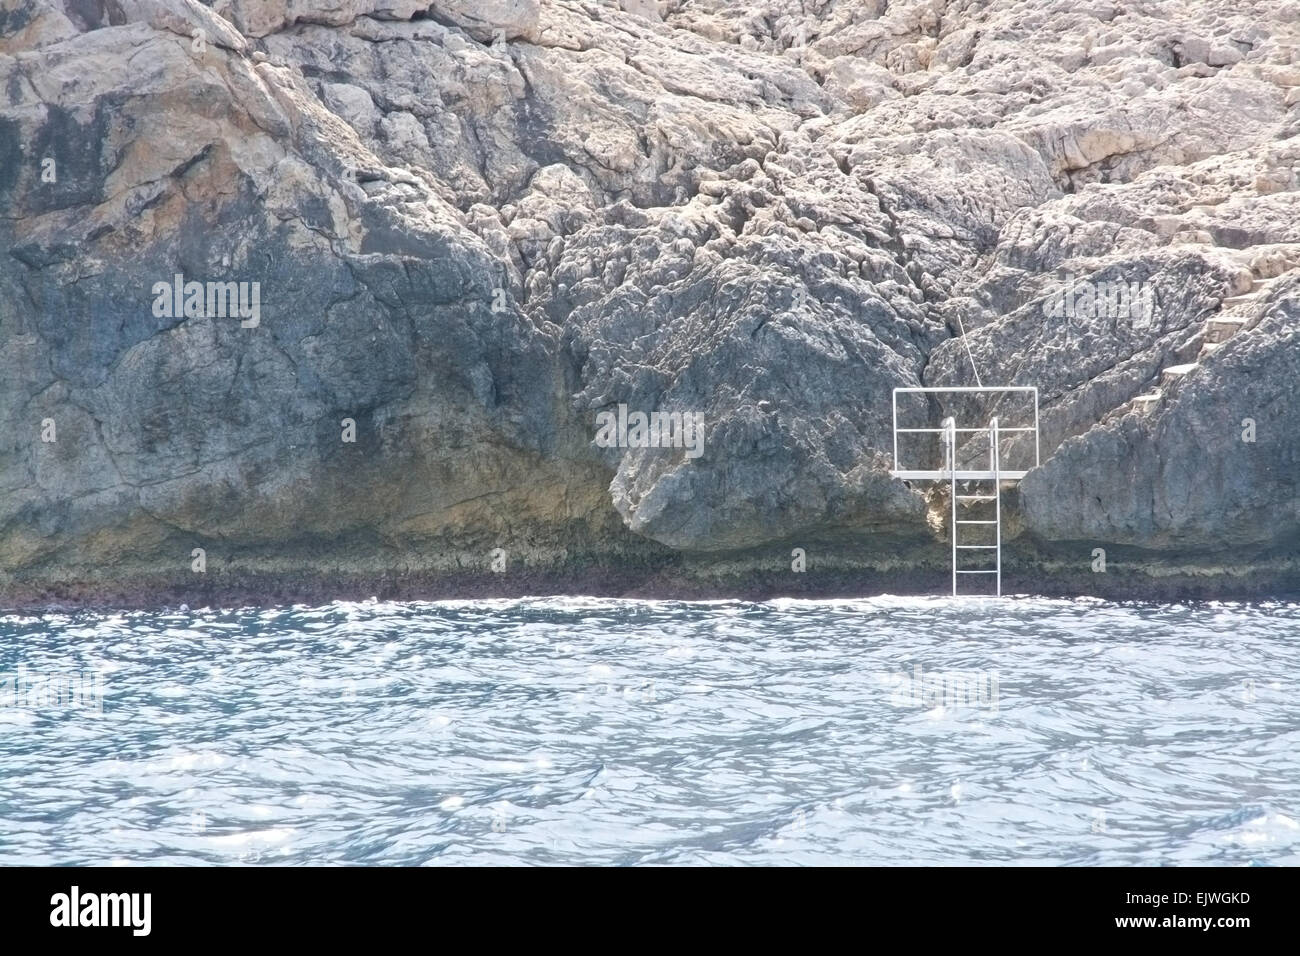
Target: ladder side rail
<point>997,495</point>
<point>951,446</point>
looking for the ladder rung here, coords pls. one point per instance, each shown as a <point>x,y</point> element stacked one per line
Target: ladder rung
<point>994,571</point>
<point>977,547</point>
<point>976,522</point>
<point>977,497</point>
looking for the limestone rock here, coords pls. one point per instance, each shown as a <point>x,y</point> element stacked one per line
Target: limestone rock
<point>768,215</point>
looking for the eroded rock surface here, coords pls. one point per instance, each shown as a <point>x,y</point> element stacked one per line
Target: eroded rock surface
<point>477,226</point>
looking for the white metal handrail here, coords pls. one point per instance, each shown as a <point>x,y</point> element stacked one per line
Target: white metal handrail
<point>936,431</point>
<point>946,427</point>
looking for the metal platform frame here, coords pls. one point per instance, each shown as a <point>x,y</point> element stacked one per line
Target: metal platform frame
<point>994,474</point>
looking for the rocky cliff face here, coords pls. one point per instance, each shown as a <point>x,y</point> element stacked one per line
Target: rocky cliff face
<point>466,231</point>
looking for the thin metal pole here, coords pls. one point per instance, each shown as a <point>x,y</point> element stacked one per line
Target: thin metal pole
<point>896,429</point>
<point>1037,461</point>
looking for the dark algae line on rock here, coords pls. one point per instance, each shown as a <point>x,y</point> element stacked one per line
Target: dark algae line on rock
<point>471,232</point>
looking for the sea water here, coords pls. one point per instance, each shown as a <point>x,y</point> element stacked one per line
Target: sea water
<point>577,730</point>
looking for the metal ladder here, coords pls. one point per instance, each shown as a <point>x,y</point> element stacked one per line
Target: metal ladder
<point>994,477</point>
<point>969,483</point>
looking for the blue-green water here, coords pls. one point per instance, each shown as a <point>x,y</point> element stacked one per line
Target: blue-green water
<point>603,731</point>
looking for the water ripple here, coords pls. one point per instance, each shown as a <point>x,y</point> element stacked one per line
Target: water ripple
<point>889,730</point>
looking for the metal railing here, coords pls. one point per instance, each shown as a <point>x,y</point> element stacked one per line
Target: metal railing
<point>949,426</point>
<point>951,473</point>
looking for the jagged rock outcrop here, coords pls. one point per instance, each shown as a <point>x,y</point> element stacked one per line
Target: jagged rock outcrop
<point>474,228</point>
<point>1217,470</point>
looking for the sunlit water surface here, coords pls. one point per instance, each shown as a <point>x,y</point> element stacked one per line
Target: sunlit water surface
<point>605,731</point>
